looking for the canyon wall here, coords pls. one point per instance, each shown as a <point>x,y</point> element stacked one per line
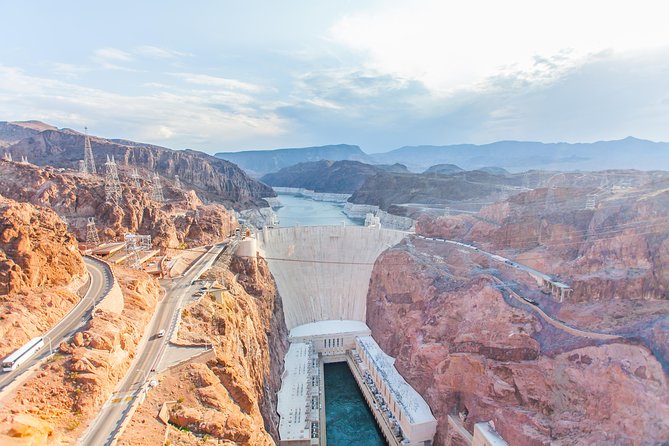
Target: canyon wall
<point>605,243</point>
<point>182,221</point>
<point>40,271</point>
<point>229,398</point>
<point>215,179</point>
<point>56,404</point>
<point>468,347</point>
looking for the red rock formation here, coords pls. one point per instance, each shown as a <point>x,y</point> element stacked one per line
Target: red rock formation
<point>40,267</point>
<point>230,398</point>
<point>465,347</point>
<point>37,251</point>
<point>182,221</point>
<point>70,388</point>
<point>619,249</point>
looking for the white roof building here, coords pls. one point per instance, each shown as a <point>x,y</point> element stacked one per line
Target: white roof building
<point>407,406</point>
<point>294,398</point>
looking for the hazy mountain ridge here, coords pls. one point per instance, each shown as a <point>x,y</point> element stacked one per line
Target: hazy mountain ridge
<point>444,169</point>
<point>514,156</point>
<point>518,156</point>
<point>328,176</point>
<point>259,162</point>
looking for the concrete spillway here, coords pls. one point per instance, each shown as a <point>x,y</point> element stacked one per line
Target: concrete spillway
<point>323,272</point>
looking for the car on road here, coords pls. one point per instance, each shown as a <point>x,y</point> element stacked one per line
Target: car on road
<point>530,301</point>
<point>160,334</point>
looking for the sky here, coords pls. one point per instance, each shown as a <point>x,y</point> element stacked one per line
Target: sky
<point>217,75</point>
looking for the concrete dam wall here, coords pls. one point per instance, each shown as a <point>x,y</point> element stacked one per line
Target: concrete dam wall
<point>323,272</point>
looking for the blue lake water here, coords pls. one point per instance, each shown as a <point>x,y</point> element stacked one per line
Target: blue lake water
<point>302,211</point>
<point>349,422</point>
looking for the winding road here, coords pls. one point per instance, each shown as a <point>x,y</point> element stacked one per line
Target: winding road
<point>75,320</point>
<point>533,308</point>
<point>107,425</point>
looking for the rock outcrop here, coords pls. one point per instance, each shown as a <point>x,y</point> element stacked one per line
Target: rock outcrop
<point>231,398</point>
<point>615,247</point>
<point>182,221</point>
<point>213,178</point>
<point>464,188</point>
<point>469,348</point>
<point>12,132</point>
<point>69,389</point>
<point>40,269</point>
<point>37,251</point>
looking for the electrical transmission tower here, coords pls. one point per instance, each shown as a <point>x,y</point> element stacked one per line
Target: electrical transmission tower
<point>177,182</point>
<point>92,233</point>
<point>89,161</point>
<point>134,244</point>
<point>157,189</point>
<point>112,184</point>
<point>135,178</point>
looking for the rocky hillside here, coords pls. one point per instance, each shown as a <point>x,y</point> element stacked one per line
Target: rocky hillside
<point>468,346</point>
<point>386,189</point>
<point>618,247</point>
<point>182,221</point>
<point>40,269</point>
<point>12,132</point>
<point>55,405</point>
<point>342,177</point>
<point>230,397</point>
<point>260,162</point>
<point>212,178</point>
<point>37,251</point>
<point>444,169</point>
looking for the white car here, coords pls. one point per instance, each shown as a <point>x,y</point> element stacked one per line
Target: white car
<point>161,333</point>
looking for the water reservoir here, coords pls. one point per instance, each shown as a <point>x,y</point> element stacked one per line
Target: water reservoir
<point>348,419</point>
<point>304,211</point>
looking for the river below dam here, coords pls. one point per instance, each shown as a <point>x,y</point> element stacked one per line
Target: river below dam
<point>296,210</point>
<point>349,420</point>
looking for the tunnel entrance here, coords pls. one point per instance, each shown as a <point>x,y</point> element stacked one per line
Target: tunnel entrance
<point>348,418</point>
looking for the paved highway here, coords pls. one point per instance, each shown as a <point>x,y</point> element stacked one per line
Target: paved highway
<point>101,283</point>
<point>105,427</point>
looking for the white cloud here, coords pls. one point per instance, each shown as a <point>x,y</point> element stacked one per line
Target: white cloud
<point>69,70</point>
<point>452,45</point>
<point>215,81</point>
<point>176,119</point>
<point>157,52</point>
<point>112,54</point>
